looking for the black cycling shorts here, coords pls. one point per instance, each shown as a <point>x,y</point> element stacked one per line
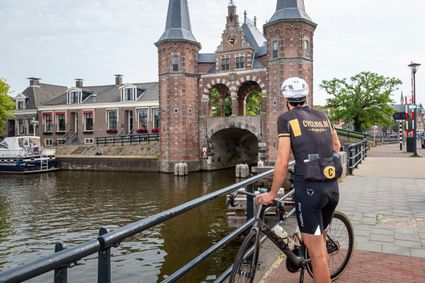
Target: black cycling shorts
<point>315,204</point>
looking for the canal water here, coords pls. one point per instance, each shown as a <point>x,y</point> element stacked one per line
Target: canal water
<point>39,210</point>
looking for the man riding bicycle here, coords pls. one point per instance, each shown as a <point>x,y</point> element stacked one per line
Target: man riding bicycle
<point>313,142</point>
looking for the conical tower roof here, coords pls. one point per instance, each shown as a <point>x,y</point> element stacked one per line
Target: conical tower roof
<point>290,10</point>
<point>178,26</point>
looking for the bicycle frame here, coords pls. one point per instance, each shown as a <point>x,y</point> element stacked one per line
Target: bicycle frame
<point>261,226</point>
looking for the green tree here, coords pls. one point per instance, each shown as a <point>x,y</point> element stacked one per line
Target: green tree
<point>364,100</point>
<point>6,104</point>
<point>253,104</point>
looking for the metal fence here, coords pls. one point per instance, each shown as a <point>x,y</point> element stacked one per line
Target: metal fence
<point>128,139</point>
<point>65,258</point>
<point>356,154</point>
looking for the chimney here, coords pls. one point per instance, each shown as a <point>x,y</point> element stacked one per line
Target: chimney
<point>118,80</point>
<point>34,82</point>
<point>79,83</point>
<point>255,21</point>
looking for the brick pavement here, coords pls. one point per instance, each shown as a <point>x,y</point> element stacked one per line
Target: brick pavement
<point>385,200</point>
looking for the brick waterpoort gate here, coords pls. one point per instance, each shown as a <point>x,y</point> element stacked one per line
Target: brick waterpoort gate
<point>247,60</point>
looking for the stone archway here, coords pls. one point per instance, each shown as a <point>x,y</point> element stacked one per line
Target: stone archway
<point>219,101</point>
<point>234,146</point>
<point>245,89</point>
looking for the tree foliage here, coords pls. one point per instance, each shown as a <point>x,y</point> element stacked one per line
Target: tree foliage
<point>364,100</point>
<point>253,104</point>
<point>6,104</point>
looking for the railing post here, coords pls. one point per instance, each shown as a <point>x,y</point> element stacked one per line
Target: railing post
<point>350,160</point>
<point>249,203</point>
<point>122,140</point>
<point>104,262</point>
<point>61,275</point>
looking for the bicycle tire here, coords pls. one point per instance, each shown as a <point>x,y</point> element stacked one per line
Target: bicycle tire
<point>339,221</point>
<point>245,267</point>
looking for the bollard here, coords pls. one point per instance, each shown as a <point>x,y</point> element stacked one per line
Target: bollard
<point>181,169</point>
<point>238,171</point>
<point>260,163</point>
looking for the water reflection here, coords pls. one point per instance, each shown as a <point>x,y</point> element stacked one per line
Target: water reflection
<point>38,211</point>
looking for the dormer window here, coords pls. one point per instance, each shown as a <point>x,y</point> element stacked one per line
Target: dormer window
<point>74,97</point>
<point>175,62</point>
<point>21,101</point>
<point>20,104</point>
<point>129,93</point>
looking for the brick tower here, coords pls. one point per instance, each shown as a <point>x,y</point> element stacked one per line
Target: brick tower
<point>289,35</point>
<point>178,87</point>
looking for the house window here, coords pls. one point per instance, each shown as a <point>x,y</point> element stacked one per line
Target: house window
<point>48,123</point>
<point>225,64</point>
<point>22,127</point>
<point>88,121</point>
<point>60,141</point>
<point>74,97</point>
<point>60,118</point>
<point>20,104</point>
<point>155,118</point>
<point>275,49</point>
<point>175,62</point>
<point>48,142</point>
<point>112,120</point>
<point>89,141</point>
<point>143,118</point>
<point>240,62</point>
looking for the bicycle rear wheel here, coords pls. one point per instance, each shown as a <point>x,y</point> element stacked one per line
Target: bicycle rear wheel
<point>339,243</point>
<point>246,260</point>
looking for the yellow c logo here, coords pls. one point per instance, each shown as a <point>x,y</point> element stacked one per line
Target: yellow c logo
<point>329,172</point>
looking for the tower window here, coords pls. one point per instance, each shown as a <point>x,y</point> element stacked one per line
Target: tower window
<point>225,64</point>
<point>240,62</point>
<point>175,62</point>
<point>275,50</point>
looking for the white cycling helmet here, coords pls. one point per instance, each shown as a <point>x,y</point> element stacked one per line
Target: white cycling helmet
<point>295,89</point>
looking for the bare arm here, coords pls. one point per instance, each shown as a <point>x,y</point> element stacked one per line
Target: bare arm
<point>280,170</point>
<point>336,144</point>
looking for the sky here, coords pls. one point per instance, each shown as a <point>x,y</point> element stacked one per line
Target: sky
<point>59,41</point>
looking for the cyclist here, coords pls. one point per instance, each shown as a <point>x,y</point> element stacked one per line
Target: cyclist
<point>310,136</point>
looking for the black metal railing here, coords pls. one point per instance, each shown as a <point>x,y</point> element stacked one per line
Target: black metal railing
<point>127,139</point>
<point>356,154</point>
<point>65,258</point>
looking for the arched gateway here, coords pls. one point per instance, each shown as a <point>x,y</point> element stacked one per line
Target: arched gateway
<point>205,98</point>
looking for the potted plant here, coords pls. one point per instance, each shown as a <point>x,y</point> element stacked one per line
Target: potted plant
<point>142,131</point>
<point>155,130</point>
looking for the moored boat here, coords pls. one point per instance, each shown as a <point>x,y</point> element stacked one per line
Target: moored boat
<point>25,155</point>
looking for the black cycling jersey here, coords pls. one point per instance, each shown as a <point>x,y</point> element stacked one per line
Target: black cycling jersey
<point>310,132</point>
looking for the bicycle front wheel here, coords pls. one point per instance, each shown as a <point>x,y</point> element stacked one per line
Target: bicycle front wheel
<point>246,260</point>
<point>339,243</point>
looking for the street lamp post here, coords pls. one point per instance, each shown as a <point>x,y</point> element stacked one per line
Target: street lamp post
<point>414,68</point>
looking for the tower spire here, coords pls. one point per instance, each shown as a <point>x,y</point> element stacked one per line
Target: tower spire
<point>178,27</point>
<point>290,10</point>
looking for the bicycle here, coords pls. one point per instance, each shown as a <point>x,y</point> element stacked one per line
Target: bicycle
<point>339,243</point>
